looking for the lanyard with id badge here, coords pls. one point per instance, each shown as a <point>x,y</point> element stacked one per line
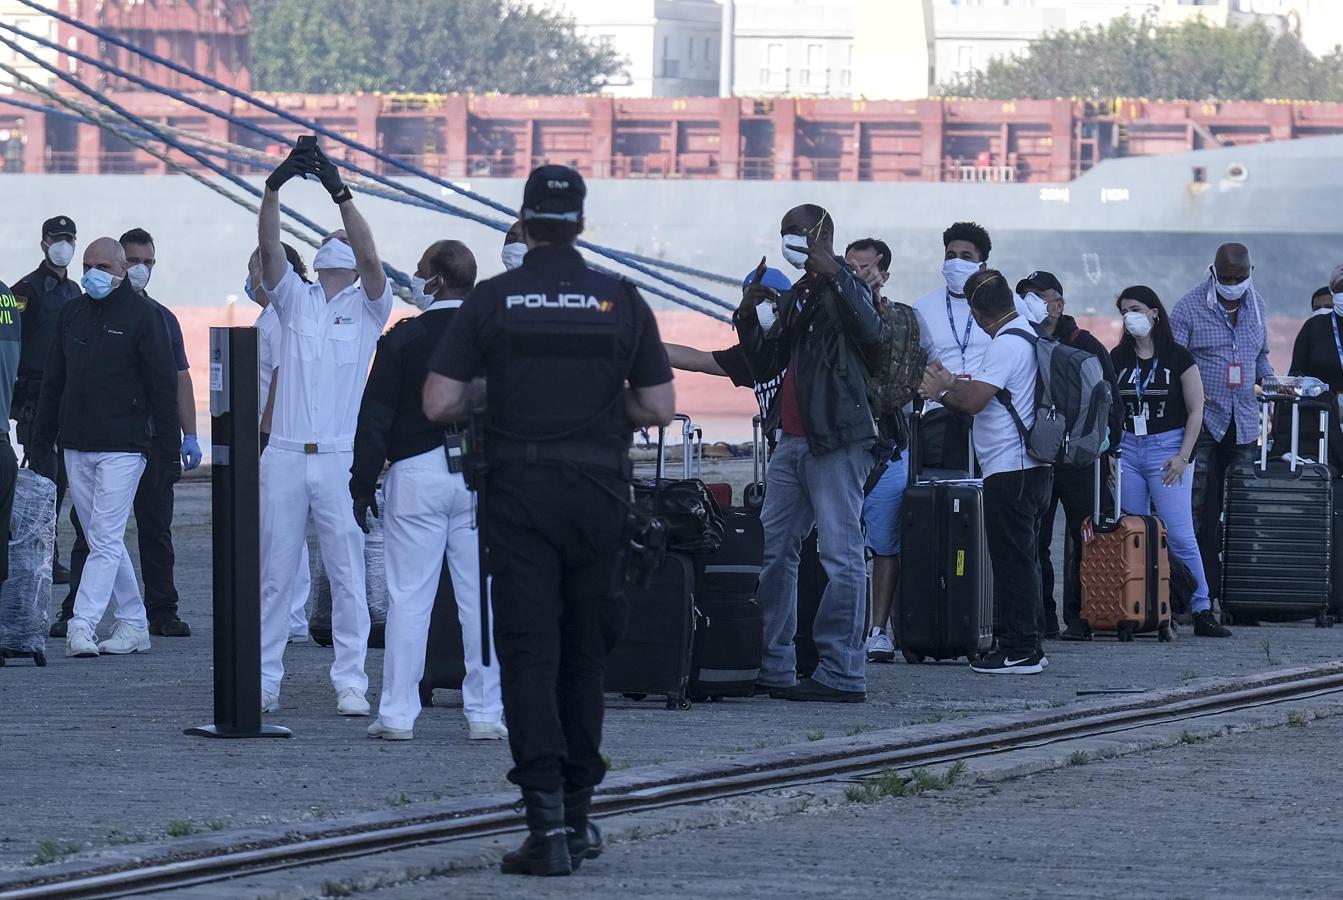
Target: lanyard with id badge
<point>1140,385</point>
<point>1235,372</point>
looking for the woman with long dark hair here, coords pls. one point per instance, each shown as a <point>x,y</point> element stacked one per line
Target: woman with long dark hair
<point>1163,412</point>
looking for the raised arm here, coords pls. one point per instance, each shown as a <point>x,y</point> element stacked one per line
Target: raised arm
<point>273,262</point>
<point>366,260</point>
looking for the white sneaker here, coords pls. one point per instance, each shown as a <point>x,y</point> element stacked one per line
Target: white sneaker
<point>487,731</point>
<point>379,730</point>
<point>79,641</point>
<point>351,702</point>
<point>269,702</point>
<point>880,648</point>
<point>126,638</point>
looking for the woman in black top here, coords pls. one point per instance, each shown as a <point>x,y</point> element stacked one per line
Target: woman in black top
<point>1162,393</point>
<point>1317,352</point>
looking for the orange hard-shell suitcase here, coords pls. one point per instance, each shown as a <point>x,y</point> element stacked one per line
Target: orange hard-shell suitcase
<point>1125,571</point>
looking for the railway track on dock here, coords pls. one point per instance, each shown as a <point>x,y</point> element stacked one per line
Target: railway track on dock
<point>785,767</point>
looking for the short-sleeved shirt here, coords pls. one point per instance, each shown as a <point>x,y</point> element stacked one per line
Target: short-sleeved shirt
<point>174,329</point>
<point>954,337</point>
<point>270,345</point>
<point>1008,362</point>
<point>11,347</point>
<point>325,355</point>
<point>555,341</point>
<point>1158,379</point>
<point>733,363</point>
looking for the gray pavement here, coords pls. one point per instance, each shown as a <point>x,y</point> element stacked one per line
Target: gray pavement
<point>94,755</point>
<point>1196,821</point>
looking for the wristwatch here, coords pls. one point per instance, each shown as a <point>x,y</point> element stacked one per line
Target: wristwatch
<point>944,393</point>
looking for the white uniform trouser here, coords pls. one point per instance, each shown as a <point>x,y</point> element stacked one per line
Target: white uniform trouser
<point>429,516</point>
<point>293,484</point>
<point>298,605</point>
<point>103,486</point>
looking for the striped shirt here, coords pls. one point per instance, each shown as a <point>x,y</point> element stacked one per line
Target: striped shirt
<point>1200,323</point>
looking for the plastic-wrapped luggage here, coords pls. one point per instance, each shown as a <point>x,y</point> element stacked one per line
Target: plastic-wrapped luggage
<point>375,583</point>
<point>25,598</point>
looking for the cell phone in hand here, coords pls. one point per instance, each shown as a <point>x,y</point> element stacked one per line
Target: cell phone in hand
<point>306,142</point>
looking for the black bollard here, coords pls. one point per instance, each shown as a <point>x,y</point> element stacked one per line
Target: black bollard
<point>235,467</point>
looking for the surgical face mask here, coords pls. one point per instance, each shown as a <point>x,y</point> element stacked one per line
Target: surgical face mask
<point>512,255</point>
<point>334,254</point>
<point>419,296</point>
<point>1338,304</point>
<point>1232,292</point>
<point>1137,324</point>
<point>138,275</point>
<point>60,253</point>
<point>957,272</point>
<point>248,289</point>
<point>1036,311</point>
<point>795,250</point>
<point>98,284</point>
<point>767,315</point>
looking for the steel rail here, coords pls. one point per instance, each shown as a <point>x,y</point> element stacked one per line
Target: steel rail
<point>1021,731</point>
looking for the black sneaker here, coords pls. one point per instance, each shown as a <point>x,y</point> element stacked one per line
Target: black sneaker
<point>1206,625</point>
<point>59,627</point>
<point>1003,663</point>
<point>173,627</point>
<point>772,691</point>
<point>1076,631</point>
<point>810,691</point>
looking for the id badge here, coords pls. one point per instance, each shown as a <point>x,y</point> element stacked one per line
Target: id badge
<point>1140,425</point>
<point>1234,375</point>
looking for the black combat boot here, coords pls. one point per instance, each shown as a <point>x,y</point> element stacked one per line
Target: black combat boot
<point>546,850</point>
<point>585,838</point>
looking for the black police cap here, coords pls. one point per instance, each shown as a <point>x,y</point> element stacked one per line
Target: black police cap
<point>1039,281</point>
<point>58,225</point>
<point>554,192</point>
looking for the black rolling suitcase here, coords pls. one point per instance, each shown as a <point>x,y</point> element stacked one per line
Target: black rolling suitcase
<point>1277,532</point>
<point>946,580</point>
<point>811,583</point>
<point>729,629</point>
<point>653,654</point>
<point>444,658</point>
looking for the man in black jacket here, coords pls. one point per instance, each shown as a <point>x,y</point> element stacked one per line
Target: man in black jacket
<point>826,331</point>
<point>1074,486</point>
<point>109,400</point>
<point>430,513</point>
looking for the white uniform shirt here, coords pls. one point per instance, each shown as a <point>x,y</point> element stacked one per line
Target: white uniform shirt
<point>949,333</point>
<point>1009,362</point>
<point>270,344</point>
<point>325,354</point>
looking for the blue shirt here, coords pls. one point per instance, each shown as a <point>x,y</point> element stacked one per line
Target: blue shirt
<point>174,329</point>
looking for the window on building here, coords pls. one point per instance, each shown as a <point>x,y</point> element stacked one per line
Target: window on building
<point>804,78</point>
<point>690,50</point>
<point>965,57</point>
<point>814,58</point>
<point>845,78</point>
<point>774,55</point>
<point>708,54</point>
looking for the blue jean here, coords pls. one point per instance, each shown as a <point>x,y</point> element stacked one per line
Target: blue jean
<point>802,491</point>
<point>1141,490</point>
<point>881,509</point>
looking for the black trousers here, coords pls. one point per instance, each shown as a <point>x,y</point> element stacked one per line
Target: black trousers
<point>1014,504</point>
<point>9,475</point>
<point>1212,459</point>
<point>1075,488</point>
<point>555,557</point>
<point>154,527</point>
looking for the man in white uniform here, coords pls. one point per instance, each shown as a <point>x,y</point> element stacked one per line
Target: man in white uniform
<point>331,330</point>
<point>270,345</point>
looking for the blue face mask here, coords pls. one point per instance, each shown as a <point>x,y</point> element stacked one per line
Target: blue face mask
<point>98,284</point>
<point>247,288</point>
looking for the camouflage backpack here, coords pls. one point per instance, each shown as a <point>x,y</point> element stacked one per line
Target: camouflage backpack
<point>899,361</point>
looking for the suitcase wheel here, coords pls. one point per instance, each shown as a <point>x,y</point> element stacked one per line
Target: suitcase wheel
<point>681,704</point>
<point>1165,634</point>
<point>634,696</point>
<point>911,657</point>
<point>1324,620</point>
<point>1125,634</point>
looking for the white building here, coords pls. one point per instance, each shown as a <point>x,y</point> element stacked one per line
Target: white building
<point>40,24</point>
<point>671,48</point>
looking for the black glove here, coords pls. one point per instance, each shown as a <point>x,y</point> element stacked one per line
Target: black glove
<point>297,164</point>
<point>329,175</point>
<point>363,505</point>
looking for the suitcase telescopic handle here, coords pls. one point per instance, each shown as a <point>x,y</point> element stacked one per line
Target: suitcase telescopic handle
<point>1265,429</point>
<point>687,440</point>
<point>1119,488</point>
<point>758,449</point>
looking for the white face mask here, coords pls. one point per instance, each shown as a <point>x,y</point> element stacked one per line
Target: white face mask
<point>138,275</point>
<point>957,272</point>
<point>1137,324</point>
<point>334,254</point>
<point>1232,292</point>
<point>512,255</point>
<point>767,315</point>
<point>60,253</point>
<point>795,250</point>
<point>1034,304</point>
<point>418,295</point>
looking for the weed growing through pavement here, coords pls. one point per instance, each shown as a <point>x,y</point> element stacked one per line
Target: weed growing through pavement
<point>761,744</point>
<point>49,851</point>
<point>216,825</point>
<point>180,828</point>
<point>1187,676</point>
<point>1268,652</point>
<point>400,800</point>
<point>890,783</point>
<point>1188,737</point>
<point>1079,758</point>
<point>855,730</point>
<point>815,735</point>
<point>336,889</point>
<point>1297,718</point>
<point>119,839</point>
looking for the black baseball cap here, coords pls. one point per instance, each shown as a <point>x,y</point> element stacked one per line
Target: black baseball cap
<point>1039,281</point>
<point>62,225</point>
<point>554,192</point>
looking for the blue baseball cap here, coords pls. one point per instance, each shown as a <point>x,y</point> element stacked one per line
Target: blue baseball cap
<point>773,279</point>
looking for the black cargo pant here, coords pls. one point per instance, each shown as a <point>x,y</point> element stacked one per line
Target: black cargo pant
<point>1075,488</point>
<point>154,527</point>
<point>1014,503</point>
<point>1212,460</point>
<point>555,555</point>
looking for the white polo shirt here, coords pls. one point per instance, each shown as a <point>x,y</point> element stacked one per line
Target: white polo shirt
<point>270,344</point>
<point>324,355</point>
<point>1008,363</point>
<point>958,340</point>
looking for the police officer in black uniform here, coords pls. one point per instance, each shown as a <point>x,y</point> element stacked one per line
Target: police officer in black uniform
<point>40,295</point>
<point>572,363</point>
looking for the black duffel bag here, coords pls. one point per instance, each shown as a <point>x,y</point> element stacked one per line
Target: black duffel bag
<point>694,521</point>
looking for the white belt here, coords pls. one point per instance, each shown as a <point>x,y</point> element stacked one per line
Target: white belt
<point>339,446</point>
